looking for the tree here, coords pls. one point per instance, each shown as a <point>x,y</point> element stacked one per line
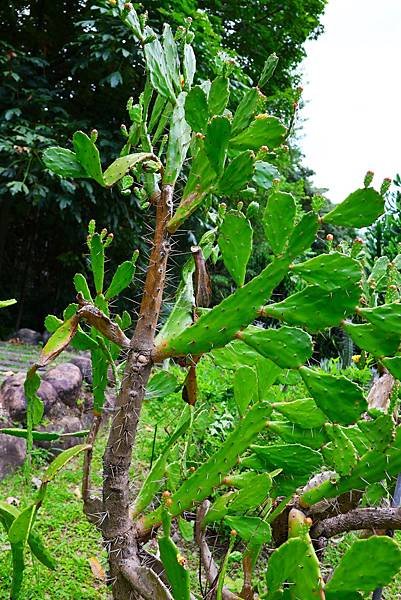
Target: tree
<point>61,65</point>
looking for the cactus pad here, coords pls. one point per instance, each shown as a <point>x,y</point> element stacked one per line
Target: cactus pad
<point>302,412</point>
<point>287,347</point>
<point>63,162</point>
<point>235,242</point>
<point>88,155</point>
<point>279,220</point>
<point>263,131</point>
<point>359,209</point>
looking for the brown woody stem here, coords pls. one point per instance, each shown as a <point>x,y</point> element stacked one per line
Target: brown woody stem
<point>118,529</point>
<point>360,518</point>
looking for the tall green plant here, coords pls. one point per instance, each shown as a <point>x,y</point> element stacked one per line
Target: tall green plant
<point>178,120</point>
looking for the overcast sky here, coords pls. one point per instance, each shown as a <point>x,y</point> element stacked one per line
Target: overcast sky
<point>352,95</point>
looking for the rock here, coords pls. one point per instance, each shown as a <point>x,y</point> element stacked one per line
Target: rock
<point>28,336</point>
<point>12,453</point>
<point>12,397</point>
<point>66,379</point>
<point>67,424</point>
<point>84,364</point>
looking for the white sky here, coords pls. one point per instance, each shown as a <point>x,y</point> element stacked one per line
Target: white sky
<point>352,94</point>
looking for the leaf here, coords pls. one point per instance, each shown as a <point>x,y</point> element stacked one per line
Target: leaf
<point>339,398</point>
<point>36,435</point>
<point>245,388</point>
<point>196,109</point>
<point>218,95</point>
<point>263,131</point>
<point>279,220</point>
<point>61,460</point>
<point>359,209</point>
<point>284,561</point>
<point>59,340</point>
<point>17,551</point>
<point>122,278</point>
<point>366,565</point>
<point>268,69</point>
<point>35,404</point>
<point>88,156</point>
<point>63,162</point>
<point>97,570</point>
<point>161,384</point>
<point>178,142</point>
<point>235,242</point>
<point>115,79</point>
<point>288,347</point>
<point>121,166</point>
<point>216,142</point>
<point>237,174</point>
<point>250,528</point>
<point>293,459</point>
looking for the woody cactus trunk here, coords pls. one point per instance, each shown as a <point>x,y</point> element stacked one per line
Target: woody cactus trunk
<point>181,132</point>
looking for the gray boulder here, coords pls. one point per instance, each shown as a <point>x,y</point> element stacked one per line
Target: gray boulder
<point>12,453</point>
<point>84,364</point>
<point>66,379</point>
<point>28,336</point>
<point>13,401</point>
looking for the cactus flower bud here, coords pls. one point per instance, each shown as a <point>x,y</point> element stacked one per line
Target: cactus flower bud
<point>385,186</point>
<point>128,6</point>
<point>233,533</point>
<point>93,135</point>
<point>329,237</point>
<point>124,131</point>
<point>368,179</point>
<point>358,240</point>
<point>113,2</point>
<point>166,494</point>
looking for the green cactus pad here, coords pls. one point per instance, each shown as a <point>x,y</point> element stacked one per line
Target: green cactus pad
<point>373,339</point>
<point>219,325</point>
<point>293,434</point>
<point>338,397</point>
<point>315,308</point>
<point>81,286</point>
<point>200,182</point>
<point>374,466</point>
<point>171,55</point>
<point>359,209</point>
<point>379,432</point>
<point>178,142</point>
<point>263,131</point>
<point>250,528</point>
<point>330,271</point>
<point>302,412</point>
<point>157,68</point>
<point>268,69</point>
<point>287,347</point>
<point>340,453</point>
<point>237,174</point>
<point>97,261</point>
<point>234,355</point>
<point>245,388</point>
<point>63,162</point>
<point>196,109</point>
<point>279,220</point>
<point>88,156</point>
<point>386,317</point>
<point>177,573</point>
<point>264,175</point>
<point>122,278</point>
<point>379,272</point>
<point>211,473</point>
<point>218,95</point>
<point>122,165</point>
<point>216,142</point>
<point>246,110</point>
<point>291,458</point>
<point>284,562</point>
<point>235,242</point>
<point>394,366</point>
<point>303,235</point>
<point>380,553</point>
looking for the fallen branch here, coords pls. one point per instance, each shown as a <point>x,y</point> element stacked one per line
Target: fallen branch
<point>97,319</point>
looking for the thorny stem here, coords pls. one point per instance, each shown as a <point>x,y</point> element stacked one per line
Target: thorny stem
<point>86,478</point>
<point>117,528</point>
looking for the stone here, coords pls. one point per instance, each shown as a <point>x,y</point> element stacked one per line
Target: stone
<point>28,336</point>
<point>84,364</point>
<point>66,379</point>
<point>12,453</point>
<point>66,424</point>
<point>13,401</point>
